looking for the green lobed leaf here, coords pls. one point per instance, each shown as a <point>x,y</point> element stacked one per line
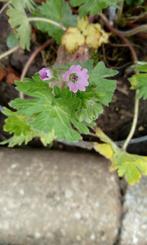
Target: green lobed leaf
<point>26,4</point>
<point>105,87</point>
<point>90,107</point>
<point>139,80</point>
<point>59,11</point>
<point>19,21</point>
<point>17,125</point>
<point>131,166</point>
<point>92,7</point>
<point>34,87</point>
<point>142,85</point>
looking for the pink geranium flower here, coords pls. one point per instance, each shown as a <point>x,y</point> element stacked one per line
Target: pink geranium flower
<point>76,78</point>
<point>45,74</point>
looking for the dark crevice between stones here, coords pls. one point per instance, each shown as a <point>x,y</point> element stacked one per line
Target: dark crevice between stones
<point>5,243</point>
<point>123,189</point>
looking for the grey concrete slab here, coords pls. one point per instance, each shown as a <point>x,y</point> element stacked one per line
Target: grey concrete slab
<point>57,198</point>
<point>134,228</point>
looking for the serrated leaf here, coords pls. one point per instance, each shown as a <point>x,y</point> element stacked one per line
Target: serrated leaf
<point>19,21</point>
<point>130,166</point>
<point>17,125</point>
<point>105,87</point>
<point>101,71</point>
<point>34,87</point>
<point>92,7</point>
<point>26,4</point>
<point>59,11</point>
<point>90,109</point>
<point>139,80</point>
<point>142,85</point>
<point>47,139</point>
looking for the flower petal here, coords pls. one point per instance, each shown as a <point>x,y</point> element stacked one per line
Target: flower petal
<point>82,78</point>
<point>75,69</point>
<point>73,87</point>
<point>66,76</point>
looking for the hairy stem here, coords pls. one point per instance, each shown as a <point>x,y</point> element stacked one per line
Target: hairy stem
<point>52,22</point>
<point>121,36</point>
<point>30,61</point>
<point>120,9</point>
<point>134,123</point>
<point>134,31</point>
<point>135,60</point>
<point>7,53</point>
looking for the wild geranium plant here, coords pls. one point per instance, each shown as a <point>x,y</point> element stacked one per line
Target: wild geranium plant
<point>62,102</point>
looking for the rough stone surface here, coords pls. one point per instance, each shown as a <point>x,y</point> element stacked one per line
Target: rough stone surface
<point>57,198</point>
<point>134,229</point>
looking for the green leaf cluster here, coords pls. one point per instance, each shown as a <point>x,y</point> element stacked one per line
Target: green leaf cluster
<point>92,7</point>
<point>53,112</point>
<point>59,11</point>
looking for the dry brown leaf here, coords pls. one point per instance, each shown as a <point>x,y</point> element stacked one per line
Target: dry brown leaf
<point>2,74</point>
<point>91,35</point>
<point>72,39</point>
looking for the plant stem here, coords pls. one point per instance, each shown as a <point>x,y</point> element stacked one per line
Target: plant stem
<point>134,31</point>
<point>52,22</point>
<point>4,7</point>
<point>7,53</point>
<point>30,61</point>
<point>121,36</point>
<point>134,123</point>
<point>120,9</point>
<point>135,60</point>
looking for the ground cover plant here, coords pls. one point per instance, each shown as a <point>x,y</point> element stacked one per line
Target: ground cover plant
<point>63,99</point>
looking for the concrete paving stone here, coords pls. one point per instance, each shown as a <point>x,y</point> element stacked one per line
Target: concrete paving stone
<point>134,229</point>
<point>57,198</point>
